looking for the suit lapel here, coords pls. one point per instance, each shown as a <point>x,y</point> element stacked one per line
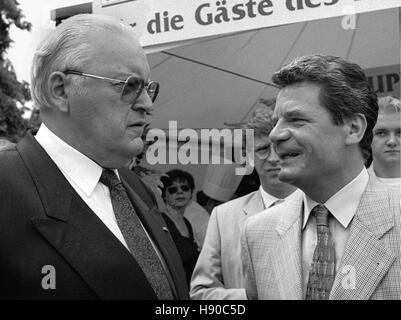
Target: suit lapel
<point>286,256</point>
<point>78,234</point>
<point>366,258</point>
<point>255,204</point>
<point>95,254</point>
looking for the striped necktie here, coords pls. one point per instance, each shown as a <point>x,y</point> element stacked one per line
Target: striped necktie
<point>322,272</point>
<point>134,234</point>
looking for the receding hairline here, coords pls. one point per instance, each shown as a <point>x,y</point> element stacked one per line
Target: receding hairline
<point>93,20</point>
<point>69,44</point>
<point>113,33</point>
<point>90,24</point>
<point>98,40</point>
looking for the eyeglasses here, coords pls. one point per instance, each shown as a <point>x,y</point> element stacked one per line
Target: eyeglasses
<point>132,86</point>
<point>174,189</point>
<point>264,152</point>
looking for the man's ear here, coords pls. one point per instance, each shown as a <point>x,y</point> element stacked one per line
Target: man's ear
<point>355,128</point>
<point>57,90</point>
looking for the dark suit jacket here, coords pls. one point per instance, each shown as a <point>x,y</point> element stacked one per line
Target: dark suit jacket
<point>43,221</point>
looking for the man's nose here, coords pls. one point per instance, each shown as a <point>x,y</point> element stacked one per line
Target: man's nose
<point>392,139</point>
<point>143,103</point>
<point>279,134</point>
<point>273,157</point>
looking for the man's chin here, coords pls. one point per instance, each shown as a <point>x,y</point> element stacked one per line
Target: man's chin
<point>127,153</point>
<point>136,147</point>
<point>287,176</point>
<point>392,158</point>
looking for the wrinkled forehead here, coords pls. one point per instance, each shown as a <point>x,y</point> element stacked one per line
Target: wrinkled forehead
<point>118,51</point>
<point>297,98</point>
<point>287,104</point>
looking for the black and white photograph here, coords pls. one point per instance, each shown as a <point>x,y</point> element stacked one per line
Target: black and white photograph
<point>196,155</point>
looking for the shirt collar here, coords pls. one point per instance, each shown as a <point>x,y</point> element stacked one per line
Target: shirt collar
<point>371,171</point>
<point>343,204</point>
<point>84,172</point>
<point>268,199</point>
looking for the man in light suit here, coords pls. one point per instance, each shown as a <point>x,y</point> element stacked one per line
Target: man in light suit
<point>340,237</point>
<point>218,273</point>
<point>73,223</point>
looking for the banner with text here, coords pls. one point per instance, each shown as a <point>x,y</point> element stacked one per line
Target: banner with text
<point>385,80</point>
<point>165,22</point>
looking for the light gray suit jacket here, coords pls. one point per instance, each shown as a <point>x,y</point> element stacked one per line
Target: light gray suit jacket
<point>371,264</point>
<point>218,273</point>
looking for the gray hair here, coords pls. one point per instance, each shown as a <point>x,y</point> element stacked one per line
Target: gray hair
<point>67,47</point>
<point>389,104</point>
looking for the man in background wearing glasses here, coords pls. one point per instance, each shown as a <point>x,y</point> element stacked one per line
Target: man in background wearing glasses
<point>74,224</point>
<point>218,272</point>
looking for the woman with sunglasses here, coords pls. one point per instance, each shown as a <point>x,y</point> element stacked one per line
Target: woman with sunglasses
<point>177,194</point>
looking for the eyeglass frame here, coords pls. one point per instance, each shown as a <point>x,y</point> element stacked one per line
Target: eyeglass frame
<point>268,153</point>
<point>123,82</point>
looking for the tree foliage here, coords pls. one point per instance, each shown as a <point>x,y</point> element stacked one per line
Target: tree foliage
<point>13,94</point>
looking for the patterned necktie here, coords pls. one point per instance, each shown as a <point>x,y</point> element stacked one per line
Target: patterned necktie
<point>322,272</point>
<point>138,242</point>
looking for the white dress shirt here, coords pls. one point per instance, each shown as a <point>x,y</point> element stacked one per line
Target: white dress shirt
<point>343,206</point>
<point>391,182</point>
<point>268,199</point>
<point>83,174</point>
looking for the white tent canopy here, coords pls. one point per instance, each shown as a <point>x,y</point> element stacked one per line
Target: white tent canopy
<point>198,94</point>
<point>215,81</point>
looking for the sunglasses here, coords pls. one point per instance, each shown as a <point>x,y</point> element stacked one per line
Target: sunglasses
<point>132,86</point>
<point>174,189</point>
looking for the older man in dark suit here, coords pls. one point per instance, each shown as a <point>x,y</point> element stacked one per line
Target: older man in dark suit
<point>73,223</point>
